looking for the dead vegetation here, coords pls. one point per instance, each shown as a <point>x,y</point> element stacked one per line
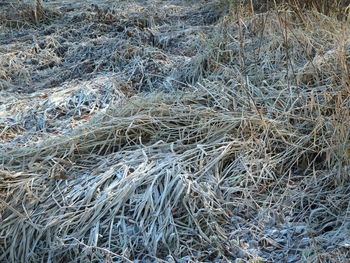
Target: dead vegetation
<point>165,131</point>
<point>18,14</point>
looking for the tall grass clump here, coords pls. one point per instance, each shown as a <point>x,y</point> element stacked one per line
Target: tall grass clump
<point>338,8</point>
<point>248,163</point>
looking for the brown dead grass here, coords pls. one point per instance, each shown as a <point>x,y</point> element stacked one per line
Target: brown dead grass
<point>238,152</point>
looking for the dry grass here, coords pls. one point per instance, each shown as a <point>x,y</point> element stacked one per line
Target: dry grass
<point>18,14</point>
<point>339,8</point>
<point>247,162</point>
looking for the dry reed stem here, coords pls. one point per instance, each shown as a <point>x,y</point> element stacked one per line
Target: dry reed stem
<point>250,161</point>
